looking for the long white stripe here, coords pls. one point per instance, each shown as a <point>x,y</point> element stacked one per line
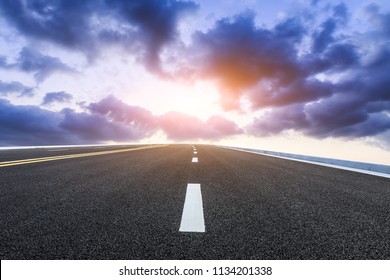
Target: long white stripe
<point>385,175</point>
<point>194,159</point>
<point>192,219</point>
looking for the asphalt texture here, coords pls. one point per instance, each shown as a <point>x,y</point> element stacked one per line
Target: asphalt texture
<point>128,206</point>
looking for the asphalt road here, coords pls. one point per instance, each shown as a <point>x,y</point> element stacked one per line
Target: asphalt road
<point>128,205</point>
<point>26,153</point>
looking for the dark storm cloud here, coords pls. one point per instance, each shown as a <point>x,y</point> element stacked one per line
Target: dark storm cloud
<point>15,87</point>
<point>278,120</point>
<point>143,26</point>
<point>338,57</point>
<point>54,97</point>
<point>266,62</point>
<point>238,55</point>
<point>359,107</point>
<point>32,125</point>
<point>64,22</point>
<point>156,20</point>
<point>313,76</point>
<point>29,125</point>
<point>271,93</point>
<point>324,36</point>
<point>106,120</point>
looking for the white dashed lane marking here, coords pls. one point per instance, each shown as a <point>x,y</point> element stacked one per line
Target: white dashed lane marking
<point>194,159</point>
<point>192,219</point>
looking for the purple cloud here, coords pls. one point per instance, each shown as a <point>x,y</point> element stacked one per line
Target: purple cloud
<point>117,111</point>
<point>238,55</point>
<point>156,21</point>
<point>53,97</point>
<point>145,25</point>
<point>30,125</point>
<point>177,126</point>
<point>15,87</point>
<point>32,61</point>
<point>106,120</point>
<point>62,22</point>
<point>95,128</point>
<point>42,66</point>
<point>311,76</point>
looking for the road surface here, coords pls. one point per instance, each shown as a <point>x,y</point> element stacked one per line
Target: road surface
<point>129,205</point>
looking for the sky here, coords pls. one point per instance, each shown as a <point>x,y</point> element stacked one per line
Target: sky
<point>308,77</point>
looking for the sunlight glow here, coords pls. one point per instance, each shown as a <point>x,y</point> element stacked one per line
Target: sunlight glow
<point>200,99</point>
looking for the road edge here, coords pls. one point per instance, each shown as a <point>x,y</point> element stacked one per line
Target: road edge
<point>332,165</point>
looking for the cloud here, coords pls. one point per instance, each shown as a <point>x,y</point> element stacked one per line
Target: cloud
<point>179,126</point>
<point>106,120</point>
<point>359,107</point>
<point>239,56</point>
<point>115,110</point>
<point>15,87</point>
<point>42,66</point>
<point>30,125</point>
<point>32,61</point>
<point>141,26</point>
<point>324,37</point>
<point>53,97</point>
<point>309,73</point>
<point>278,120</point>
<point>156,22</point>
<point>95,128</point>
<point>62,22</point>
<point>380,19</point>
<point>269,93</point>
<point>340,12</point>
<point>3,62</point>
